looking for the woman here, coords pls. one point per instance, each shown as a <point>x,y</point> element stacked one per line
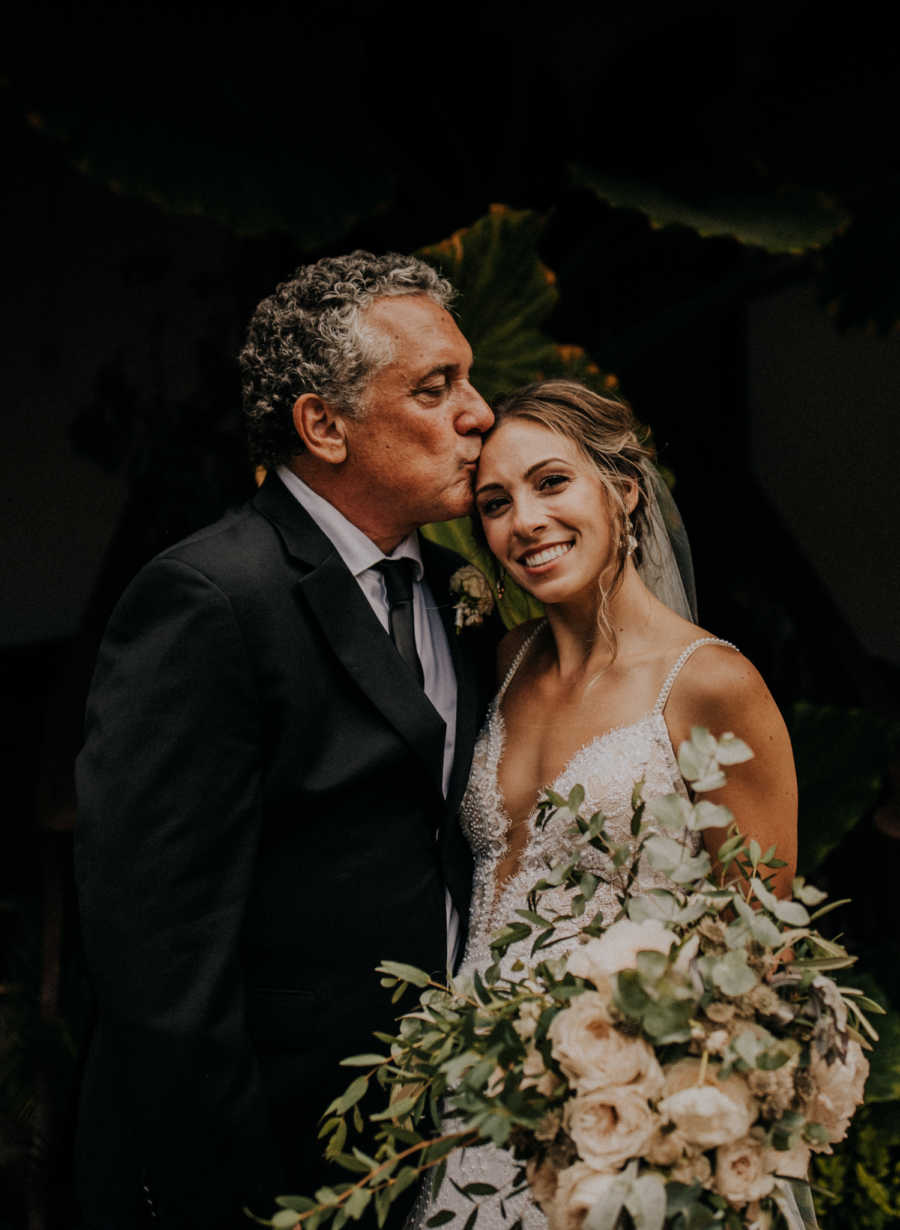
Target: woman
<point>599,692</point>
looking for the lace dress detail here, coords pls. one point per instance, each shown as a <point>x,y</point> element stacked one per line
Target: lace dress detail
<point>607,767</point>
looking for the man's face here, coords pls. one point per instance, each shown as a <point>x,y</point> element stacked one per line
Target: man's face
<point>412,453</point>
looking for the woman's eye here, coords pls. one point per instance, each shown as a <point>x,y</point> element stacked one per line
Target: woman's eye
<point>552,481</point>
<point>491,507</point>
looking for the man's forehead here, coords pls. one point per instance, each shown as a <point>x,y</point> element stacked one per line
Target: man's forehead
<point>424,334</point>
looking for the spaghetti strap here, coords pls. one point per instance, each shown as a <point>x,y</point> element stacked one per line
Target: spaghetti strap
<point>517,662</point>
<point>679,663</point>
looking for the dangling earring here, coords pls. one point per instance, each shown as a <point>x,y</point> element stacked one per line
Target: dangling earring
<point>501,584</point>
<point>630,540</point>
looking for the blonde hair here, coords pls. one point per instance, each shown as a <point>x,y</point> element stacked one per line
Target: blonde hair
<point>606,432</point>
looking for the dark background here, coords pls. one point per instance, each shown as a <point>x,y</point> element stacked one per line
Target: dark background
<point>737,270</point>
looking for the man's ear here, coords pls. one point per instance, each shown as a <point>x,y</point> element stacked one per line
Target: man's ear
<point>321,428</point>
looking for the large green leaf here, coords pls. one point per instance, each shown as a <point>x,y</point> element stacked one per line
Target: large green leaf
<point>841,756</point>
<point>790,220</point>
<point>506,294</point>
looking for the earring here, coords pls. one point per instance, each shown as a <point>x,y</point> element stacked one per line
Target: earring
<point>630,541</point>
<point>501,584</point>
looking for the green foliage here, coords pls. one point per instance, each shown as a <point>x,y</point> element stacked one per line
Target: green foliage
<point>841,757</point>
<point>506,295</point>
<point>858,1186</point>
<point>782,219</point>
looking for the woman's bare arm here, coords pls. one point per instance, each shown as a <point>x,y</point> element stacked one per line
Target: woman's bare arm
<point>722,691</point>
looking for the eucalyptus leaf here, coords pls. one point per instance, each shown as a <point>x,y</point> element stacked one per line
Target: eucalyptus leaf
<point>790,912</point>
<point>731,750</point>
<point>605,1213</point>
<point>408,973</point>
<point>672,811</point>
<point>732,974</point>
<point>647,1202</point>
<point>284,1220</point>
<point>708,815</point>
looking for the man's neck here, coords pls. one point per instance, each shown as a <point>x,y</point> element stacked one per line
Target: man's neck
<point>326,481</point>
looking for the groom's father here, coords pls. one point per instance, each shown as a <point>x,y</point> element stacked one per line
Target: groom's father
<point>278,736</point>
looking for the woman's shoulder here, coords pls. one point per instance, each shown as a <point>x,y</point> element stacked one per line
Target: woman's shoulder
<point>718,687</point>
<point>511,644</point>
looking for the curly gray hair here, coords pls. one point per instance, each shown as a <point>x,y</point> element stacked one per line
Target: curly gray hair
<point>310,336</point>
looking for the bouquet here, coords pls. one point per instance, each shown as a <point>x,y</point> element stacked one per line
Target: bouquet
<point>675,1066</point>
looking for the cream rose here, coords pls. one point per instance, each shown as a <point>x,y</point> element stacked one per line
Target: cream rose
<point>609,1126</point>
<point>709,1114</point>
<point>594,1054</point>
<point>838,1090</point>
<point>577,1191</point>
<point>617,949</point>
<point>742,1174</point>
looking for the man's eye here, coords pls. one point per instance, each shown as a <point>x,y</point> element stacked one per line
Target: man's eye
<point>431,390</point>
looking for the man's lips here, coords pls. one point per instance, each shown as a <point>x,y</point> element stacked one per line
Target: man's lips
<point>547,554</point>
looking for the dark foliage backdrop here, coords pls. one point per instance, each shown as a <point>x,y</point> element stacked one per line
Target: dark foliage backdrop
<point>668,172</point>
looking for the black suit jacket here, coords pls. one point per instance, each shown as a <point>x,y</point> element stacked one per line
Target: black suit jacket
<point>259,798</point>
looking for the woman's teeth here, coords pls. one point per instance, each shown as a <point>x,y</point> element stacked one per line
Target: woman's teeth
<point>544,557</point>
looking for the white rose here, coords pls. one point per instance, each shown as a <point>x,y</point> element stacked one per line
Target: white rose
<point>709,1114</point>
<point>617,949</point>
<point>593,1053</point>
<point>837,1091</point>
<point>742,1174</point>
<point>578,1189</point>
<point>609,1126</point>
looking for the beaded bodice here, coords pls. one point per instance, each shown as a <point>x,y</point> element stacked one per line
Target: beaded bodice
<point>607,767</point>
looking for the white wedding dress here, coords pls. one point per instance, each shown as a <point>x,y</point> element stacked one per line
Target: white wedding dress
<point>607,767</point>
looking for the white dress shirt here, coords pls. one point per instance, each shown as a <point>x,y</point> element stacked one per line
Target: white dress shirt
<point>361,555</point>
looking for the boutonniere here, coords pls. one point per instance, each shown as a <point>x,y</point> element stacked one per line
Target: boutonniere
<point>475,597</point>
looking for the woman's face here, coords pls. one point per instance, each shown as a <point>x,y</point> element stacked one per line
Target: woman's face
<point>545,511</point>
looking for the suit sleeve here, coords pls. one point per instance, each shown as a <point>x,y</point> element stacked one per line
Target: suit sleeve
<point>166,842</point>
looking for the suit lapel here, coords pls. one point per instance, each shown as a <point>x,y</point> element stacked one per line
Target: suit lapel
<point>439,567</point>
<point>334,599</point>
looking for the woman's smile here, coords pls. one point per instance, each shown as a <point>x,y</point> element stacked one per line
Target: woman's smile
<point>539,558</point>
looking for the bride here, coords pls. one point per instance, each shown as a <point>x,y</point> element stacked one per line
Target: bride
<point>600,692</point>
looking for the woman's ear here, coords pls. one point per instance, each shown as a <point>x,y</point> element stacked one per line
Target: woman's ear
<point>630,494</point>
<point>321,428</point>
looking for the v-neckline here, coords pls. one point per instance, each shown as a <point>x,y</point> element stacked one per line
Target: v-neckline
<point>528,819</point>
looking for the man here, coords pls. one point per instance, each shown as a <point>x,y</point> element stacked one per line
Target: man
<point>274,756</point>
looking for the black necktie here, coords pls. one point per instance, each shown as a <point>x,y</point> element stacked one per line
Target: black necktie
<point>398,579</point>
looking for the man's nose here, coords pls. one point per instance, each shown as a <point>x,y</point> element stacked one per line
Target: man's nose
<point>476,415</point>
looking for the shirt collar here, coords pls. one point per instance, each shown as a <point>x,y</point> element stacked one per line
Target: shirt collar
<point>354,547</point>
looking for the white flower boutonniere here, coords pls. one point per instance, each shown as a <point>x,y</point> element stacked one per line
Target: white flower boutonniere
<point>475,597</point>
